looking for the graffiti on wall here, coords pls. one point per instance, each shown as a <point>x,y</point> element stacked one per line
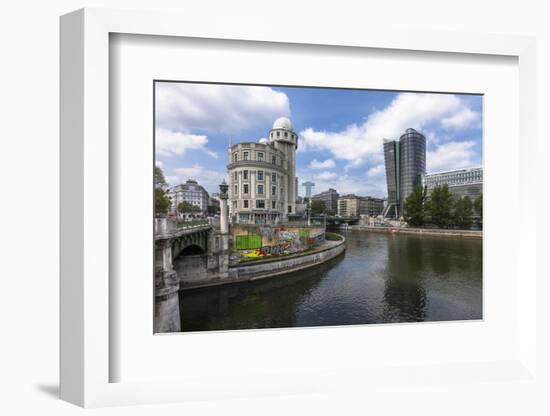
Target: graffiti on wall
<point>282,241</point>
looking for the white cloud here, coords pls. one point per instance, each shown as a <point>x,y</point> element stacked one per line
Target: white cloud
<point>326,176</point>
<point>327,164</point>
<point>169,143</point>
<point>217,108</point>
<point>461,119</point>
<point>358,143</point>
<point>451,155</point>
<point>348,184</point>
<point>159,164</point>
<point>376,171</point>
<point>208,178</point>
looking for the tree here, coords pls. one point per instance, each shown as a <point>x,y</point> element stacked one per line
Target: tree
<point>317,206</point>
<point>213,209</point>
<point>440,206</point>
<point>463,212</point>
<point>185,206</point>
<point>478,206</point>
<point>162,200</point>
<point>159,179</point>
<point>414,209</point>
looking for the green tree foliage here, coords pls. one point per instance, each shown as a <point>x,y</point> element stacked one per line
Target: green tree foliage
<point>463,212</point>
<point>478,206</point>
<point>185,206</point>
<point>162,200</point>
<point>213,209</point>
<point>414,207</point>
<point>159,179</point>
<point>440,206</point>
<point>317,207</point>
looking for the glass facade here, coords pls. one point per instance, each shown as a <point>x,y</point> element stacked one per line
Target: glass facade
<point>405,161</point>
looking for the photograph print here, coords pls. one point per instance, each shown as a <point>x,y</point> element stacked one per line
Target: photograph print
<point>286,206</point>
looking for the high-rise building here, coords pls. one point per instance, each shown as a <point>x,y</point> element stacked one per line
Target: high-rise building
<point>461,182</point>
<point>309,186</point>
<point>263,184</point>
<point>330,198</point>
<point>405,161</point>
<point>348,205</point>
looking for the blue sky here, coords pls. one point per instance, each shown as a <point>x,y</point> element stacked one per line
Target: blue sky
<point>340,131</point>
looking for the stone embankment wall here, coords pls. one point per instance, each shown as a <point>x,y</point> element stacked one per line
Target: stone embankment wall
<point>261,269</point>
<point>421,231</point>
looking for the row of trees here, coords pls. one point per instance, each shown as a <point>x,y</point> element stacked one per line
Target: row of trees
<point>318,207</point>
<point>441,208</point>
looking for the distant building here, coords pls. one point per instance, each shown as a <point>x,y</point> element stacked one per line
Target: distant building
<point>263,184</point>
<point>192,193</point>
<point>461,182</point>
<point>214,202</point>
<point>405,161</point>
<point>309,186</point>
<point>371,206</point>
<point>330,198</point>
<point>348,206</point>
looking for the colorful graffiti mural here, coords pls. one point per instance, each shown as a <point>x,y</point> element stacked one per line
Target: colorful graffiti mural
<point>280,241</point>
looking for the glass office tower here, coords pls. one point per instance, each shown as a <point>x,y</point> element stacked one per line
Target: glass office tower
<point>405,161</point>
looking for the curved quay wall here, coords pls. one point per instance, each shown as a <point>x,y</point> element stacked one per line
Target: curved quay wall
<point>270,268</point>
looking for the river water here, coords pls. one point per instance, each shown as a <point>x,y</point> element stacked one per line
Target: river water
<point>381,278</point>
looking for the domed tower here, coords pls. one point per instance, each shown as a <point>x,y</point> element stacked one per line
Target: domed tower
<point>283,137</point>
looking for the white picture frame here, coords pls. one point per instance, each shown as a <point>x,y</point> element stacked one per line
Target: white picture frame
<point>86,355</point>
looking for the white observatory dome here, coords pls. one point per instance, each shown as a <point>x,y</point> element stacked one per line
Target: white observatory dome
<point>283,123</point>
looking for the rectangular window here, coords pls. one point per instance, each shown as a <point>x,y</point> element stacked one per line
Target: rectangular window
<point>245,155</point>
<point>235,157</point>
<point>260,189</point>
<point>260,175</point>
<point>245,203</point>
<point>236,189</point>
<point>273,177</point>
<point>274,160</point>
<point>245,174</point>
<point>235,175</point>
<point>273,190</point>
<point>290,209</point>
<point>261,156</point>
<point>245,188</point>
<point>273,204</point>
<point>260,204</point>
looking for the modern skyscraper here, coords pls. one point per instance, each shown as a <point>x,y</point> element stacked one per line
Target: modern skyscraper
<point>405,161</point>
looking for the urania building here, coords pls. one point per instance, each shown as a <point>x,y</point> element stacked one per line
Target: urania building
<point>262,176</point>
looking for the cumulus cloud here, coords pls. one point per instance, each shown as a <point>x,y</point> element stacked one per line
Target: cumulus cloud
<point>326,176</point>
<point>208,178</point>
<point>326,164</point>
<point>216,108</point>
<point>451,155</point>
<point>170,143</point>
<point>376,171</point>
<point>463,118</point>
<point>358,143</point>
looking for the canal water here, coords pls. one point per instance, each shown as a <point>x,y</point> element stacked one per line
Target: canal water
<point>381,278</point>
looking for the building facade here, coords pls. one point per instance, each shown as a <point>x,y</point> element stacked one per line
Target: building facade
<point>192,193</point>
<point>263,184</point>
<point>461,182</point>
<point>405,161</point>
<point>348,206</point>
<point>330,198</point>
<point>371,206</point>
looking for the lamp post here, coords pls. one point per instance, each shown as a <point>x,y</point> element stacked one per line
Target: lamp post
<point>224,220</point>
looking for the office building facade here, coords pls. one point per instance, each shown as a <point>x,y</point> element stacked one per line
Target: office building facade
<point>330,198</point>
<point>192,193</point>
<point>461,182</point>
<point>405,161</point>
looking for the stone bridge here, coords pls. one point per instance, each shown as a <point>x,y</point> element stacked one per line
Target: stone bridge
<point>198,250</point>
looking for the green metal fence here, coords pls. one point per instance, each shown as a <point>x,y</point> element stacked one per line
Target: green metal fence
<point>248,242</point>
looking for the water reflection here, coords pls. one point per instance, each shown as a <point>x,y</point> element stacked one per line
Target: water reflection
<point>381,278</point>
